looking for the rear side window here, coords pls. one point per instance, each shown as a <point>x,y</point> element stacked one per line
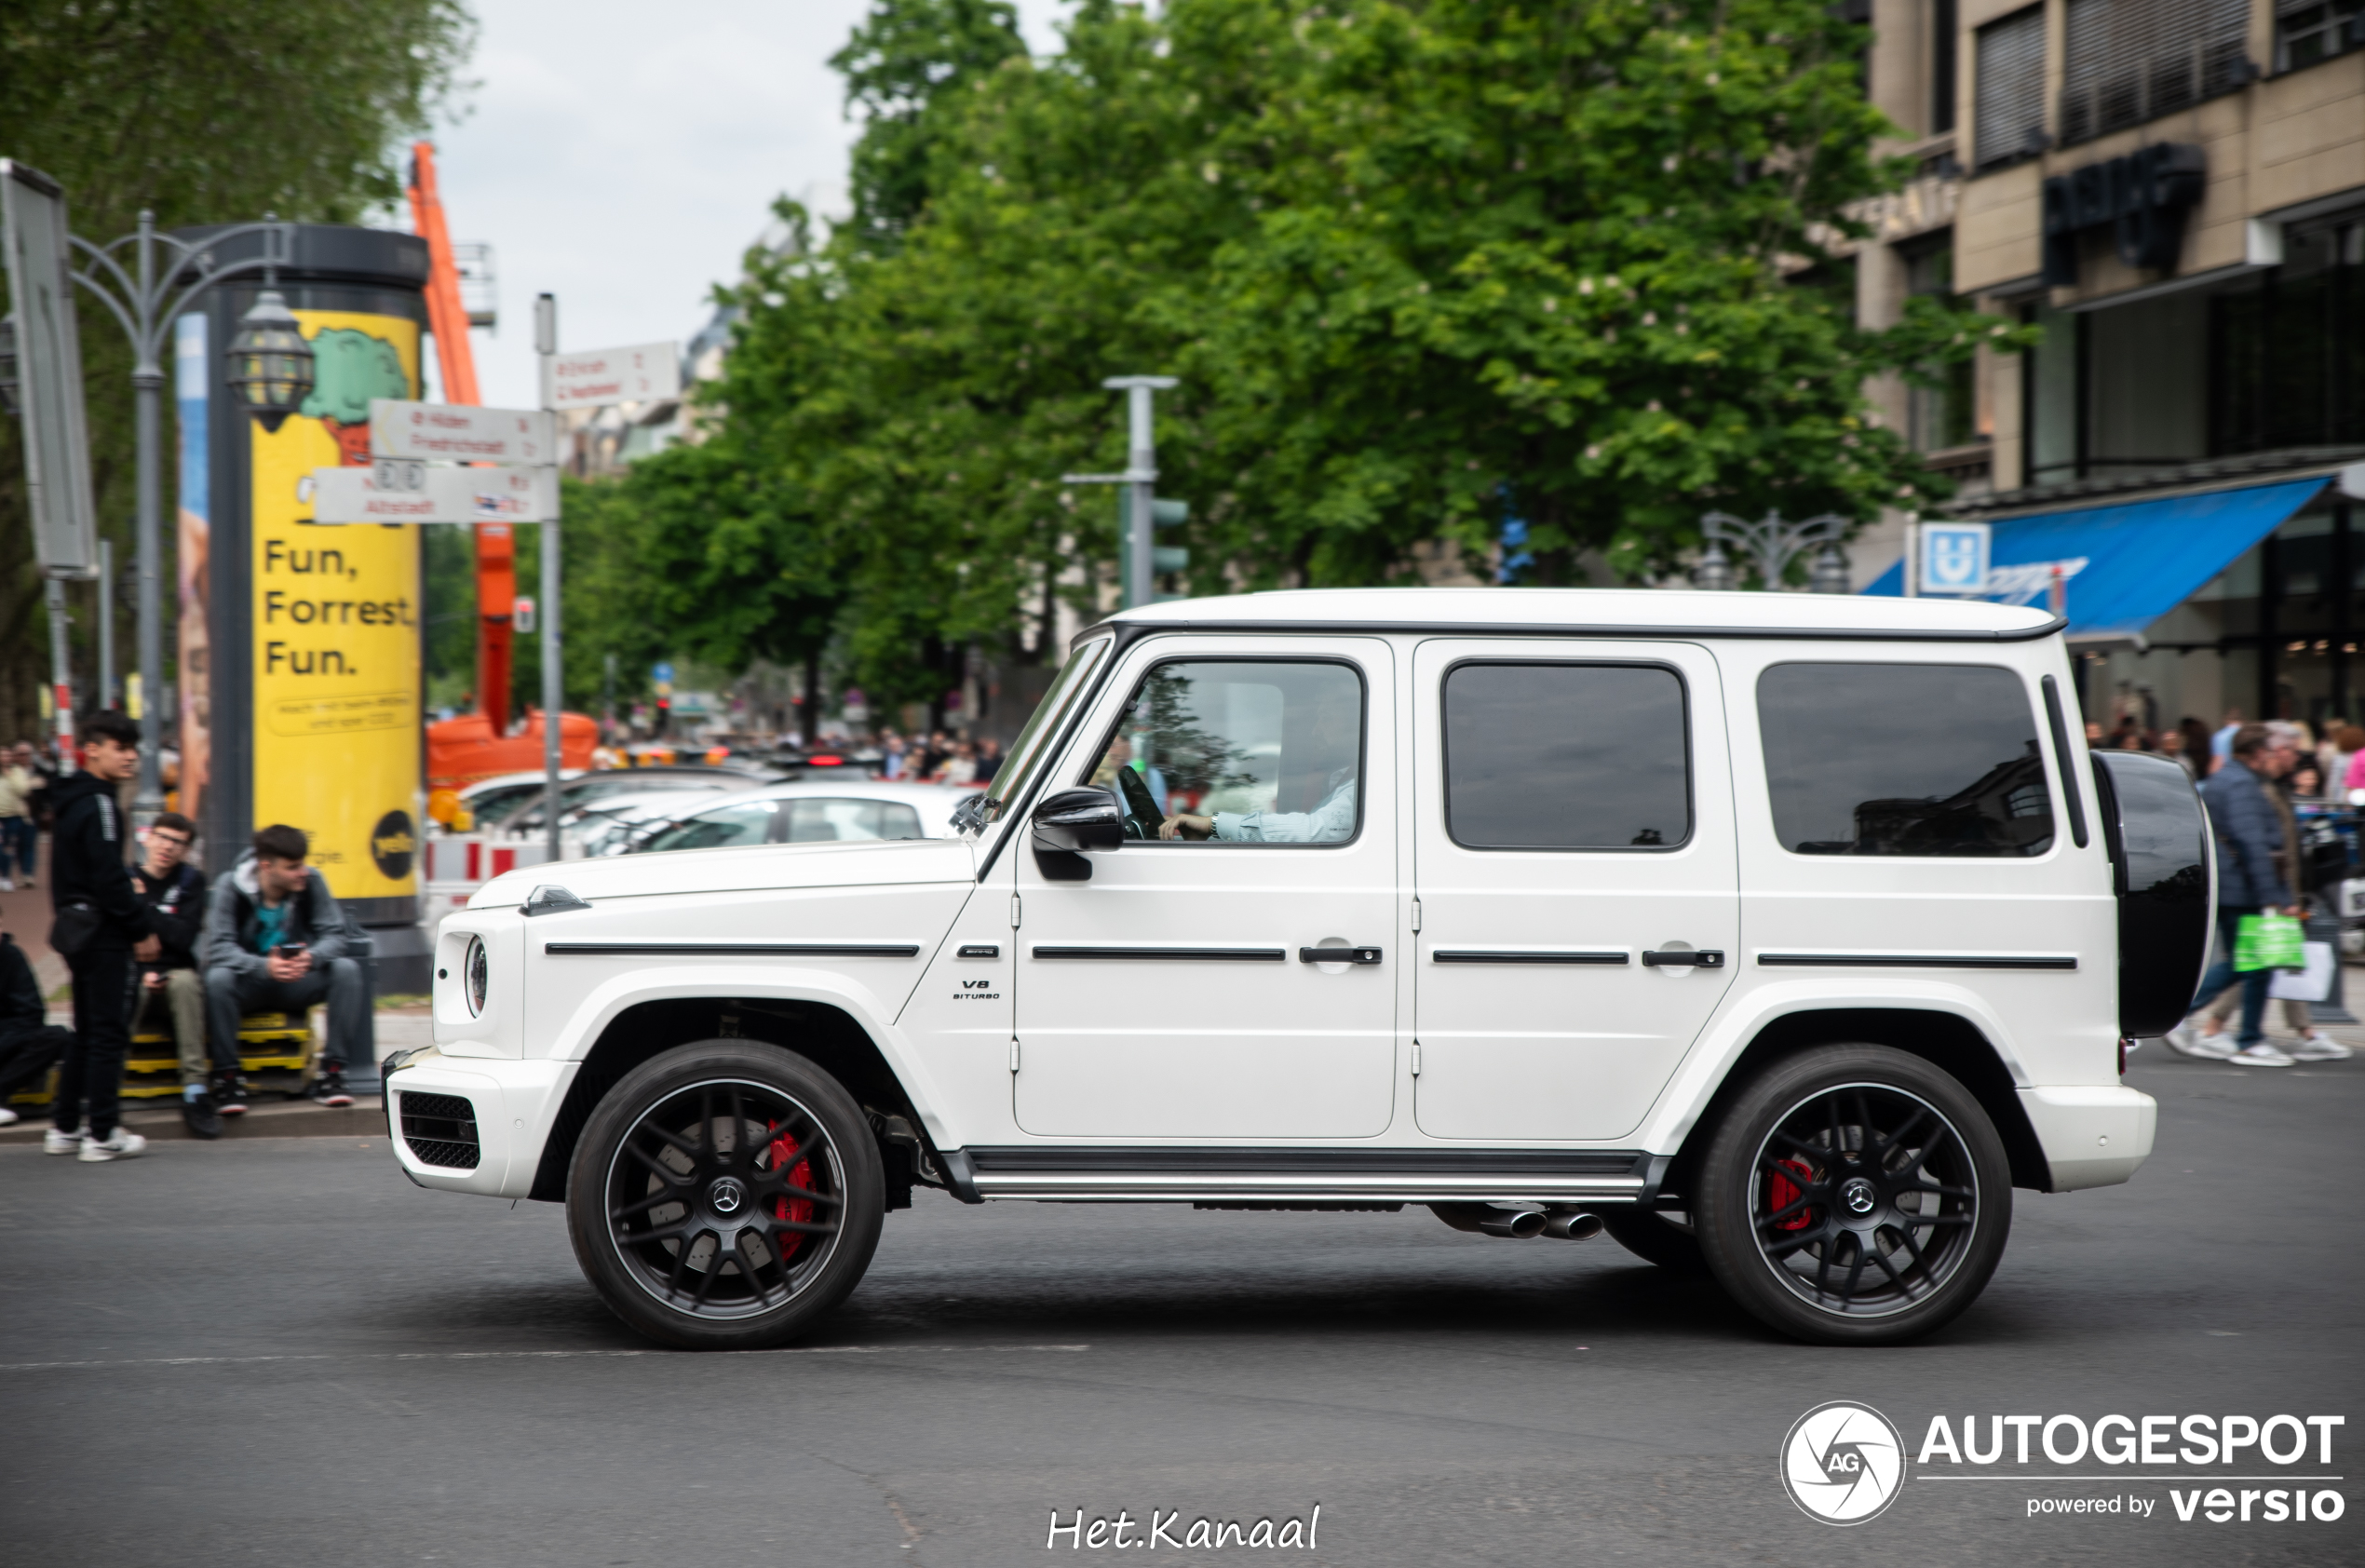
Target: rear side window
<point>1903,759</point>
<point>1566,756</point>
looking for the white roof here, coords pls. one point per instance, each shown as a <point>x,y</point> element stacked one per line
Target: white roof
<point>1599,610</point>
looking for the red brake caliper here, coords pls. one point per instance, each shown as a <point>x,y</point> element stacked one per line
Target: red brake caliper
<point>800,1174</point>
<point>1780,1193</point>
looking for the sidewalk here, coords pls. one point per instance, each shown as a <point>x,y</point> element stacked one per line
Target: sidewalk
<point>159,1120</point>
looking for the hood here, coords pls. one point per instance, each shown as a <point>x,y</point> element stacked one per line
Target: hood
<point>63,792</point>
<point>874,862</point>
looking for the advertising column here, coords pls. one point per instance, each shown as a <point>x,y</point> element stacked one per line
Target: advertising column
<point>301,670</point>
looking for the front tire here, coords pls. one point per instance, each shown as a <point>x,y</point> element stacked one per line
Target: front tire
<point>725,1195</point>
<point>1854,1195</point>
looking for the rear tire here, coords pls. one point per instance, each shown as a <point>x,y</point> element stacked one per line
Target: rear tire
<point>725,1195</point>
<point>1854,1195</point>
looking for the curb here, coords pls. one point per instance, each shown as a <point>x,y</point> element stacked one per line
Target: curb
<point>365,1119</point>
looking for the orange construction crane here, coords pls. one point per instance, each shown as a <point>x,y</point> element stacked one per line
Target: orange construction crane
<point>496,553</point>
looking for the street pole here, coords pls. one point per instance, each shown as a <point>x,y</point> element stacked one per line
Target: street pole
<point>1137,513</point>
<point>53,596</point>
<point>146,300</point>
<point>106,623</point>
<point>545,344</point>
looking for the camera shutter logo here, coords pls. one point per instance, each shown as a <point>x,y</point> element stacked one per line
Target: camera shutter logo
<point>1842,1463</point>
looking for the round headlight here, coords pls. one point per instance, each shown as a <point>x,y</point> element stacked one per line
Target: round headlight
<point>476,975</point>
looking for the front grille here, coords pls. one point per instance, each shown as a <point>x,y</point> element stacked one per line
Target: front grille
<point>441,1129</point>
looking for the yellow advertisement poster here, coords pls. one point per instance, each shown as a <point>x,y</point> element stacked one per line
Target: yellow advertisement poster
<point>336,623</point>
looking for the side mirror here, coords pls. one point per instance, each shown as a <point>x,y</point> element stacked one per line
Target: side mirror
<point>1085,817</point>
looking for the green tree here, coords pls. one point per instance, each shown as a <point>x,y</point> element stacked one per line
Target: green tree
<point>202,111</point>
<point>905,60</point>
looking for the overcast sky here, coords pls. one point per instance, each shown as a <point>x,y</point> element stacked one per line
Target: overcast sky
<point>622,155</point>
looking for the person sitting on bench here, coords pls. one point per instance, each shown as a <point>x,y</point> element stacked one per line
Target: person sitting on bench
<point>276,939</point>
<point>174,892</point>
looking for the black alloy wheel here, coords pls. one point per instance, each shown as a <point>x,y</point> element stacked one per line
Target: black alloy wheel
<point>1854,1195</point>
<point>725,1194</point>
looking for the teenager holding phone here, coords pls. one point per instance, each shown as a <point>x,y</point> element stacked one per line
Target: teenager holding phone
<point>275,940</point>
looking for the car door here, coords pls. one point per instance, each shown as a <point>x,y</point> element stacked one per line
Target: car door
<point>1574,863</point>
<point>1176,993</point>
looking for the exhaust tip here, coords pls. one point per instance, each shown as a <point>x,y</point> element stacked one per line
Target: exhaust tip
<point>1521,1223</point>
<point>1573,1227</point>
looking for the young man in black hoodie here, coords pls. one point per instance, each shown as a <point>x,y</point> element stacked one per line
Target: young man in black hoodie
<point>90,888</point>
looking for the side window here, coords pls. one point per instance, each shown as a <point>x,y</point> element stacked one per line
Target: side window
<point>1240,752</point>
<point>827,821</point>
<point>1903,759</point>
<point>1566,756</point>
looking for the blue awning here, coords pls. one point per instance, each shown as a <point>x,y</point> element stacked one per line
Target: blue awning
<point>2127,566</point>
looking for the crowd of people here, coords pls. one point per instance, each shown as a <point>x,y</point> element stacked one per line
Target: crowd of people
<point>938,759</point>
<point>149,943</point>
<point>2253,777</point>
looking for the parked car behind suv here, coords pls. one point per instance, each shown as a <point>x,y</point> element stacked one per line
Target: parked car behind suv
<point>1781,936</point>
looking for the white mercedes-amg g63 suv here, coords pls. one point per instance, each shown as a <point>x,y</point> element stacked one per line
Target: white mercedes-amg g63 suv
<point>1781,936</point>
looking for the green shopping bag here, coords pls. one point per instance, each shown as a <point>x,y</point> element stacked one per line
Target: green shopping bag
<point>2268,942</point>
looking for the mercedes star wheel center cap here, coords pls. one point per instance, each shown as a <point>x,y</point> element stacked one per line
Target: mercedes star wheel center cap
<point>726,1195</point>
<point>1860,1196</point>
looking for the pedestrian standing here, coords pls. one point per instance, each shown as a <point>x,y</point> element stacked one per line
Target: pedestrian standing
<point>2221,745</point>
<point>2249,842</point>
<point>20,838</point>
<point>103,929</point>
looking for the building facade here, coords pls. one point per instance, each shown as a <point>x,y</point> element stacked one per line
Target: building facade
<point>2174,192</point>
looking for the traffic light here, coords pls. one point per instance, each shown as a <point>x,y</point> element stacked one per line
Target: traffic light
<point>1169,514</point>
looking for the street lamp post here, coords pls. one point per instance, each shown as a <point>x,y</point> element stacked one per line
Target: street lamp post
<point>146,299</point>
<point>1773,543</point>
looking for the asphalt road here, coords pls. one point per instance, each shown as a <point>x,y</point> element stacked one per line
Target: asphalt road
<point>279,1352</point>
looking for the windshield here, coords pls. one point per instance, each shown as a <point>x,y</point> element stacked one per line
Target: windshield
<point>1027,753</point>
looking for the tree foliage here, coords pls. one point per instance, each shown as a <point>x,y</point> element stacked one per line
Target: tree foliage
<point>201,111</point>
<point>1423,268</point>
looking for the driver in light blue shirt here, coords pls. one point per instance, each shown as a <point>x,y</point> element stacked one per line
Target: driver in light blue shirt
<point>1331,821</point>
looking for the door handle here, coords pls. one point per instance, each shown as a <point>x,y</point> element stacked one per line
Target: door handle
<point>1338,955</point>
<point>1705,958</point>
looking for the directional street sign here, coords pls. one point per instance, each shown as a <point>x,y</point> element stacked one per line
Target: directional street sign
<point>645,373</point>
<point>456,433</point>
<point>406,492</point>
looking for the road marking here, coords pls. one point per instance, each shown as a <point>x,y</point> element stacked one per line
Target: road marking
<point>532,1355</point>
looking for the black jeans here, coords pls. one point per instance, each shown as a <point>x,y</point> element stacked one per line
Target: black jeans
<point>27,1054</point>
<point>91,1084</point>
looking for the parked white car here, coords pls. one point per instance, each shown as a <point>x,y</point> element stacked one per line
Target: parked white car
<point>1782,936</point>
<point>826,811</point>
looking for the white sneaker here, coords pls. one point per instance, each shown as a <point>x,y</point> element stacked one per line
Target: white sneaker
<point>121,1144</point>
<point>2259,1055</point>
<point>56,1143</point>
<point>7,884</point>
<point>9,1117</point>
<point>2188,1041</point>
<point>2321,1047</point>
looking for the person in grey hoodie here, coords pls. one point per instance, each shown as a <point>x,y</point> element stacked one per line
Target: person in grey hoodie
<point>274,939</point>
<point>2249,843</point>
